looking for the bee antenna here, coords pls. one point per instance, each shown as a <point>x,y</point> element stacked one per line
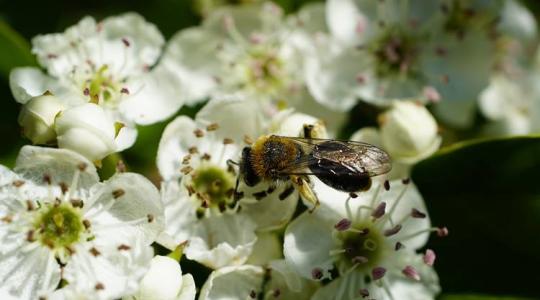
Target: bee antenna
<point>232,162</point>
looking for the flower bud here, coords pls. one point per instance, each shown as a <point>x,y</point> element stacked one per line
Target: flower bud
<point>409,132</point>
<point>37,118</point>
<point>86,129</point>
<point>162,281</point>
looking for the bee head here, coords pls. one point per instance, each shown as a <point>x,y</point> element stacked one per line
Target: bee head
<point>246,168</point>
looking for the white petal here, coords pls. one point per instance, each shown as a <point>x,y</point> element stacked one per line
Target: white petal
<point>61,164</point>
<point>222,240</point>
<point>191,55</point>
<point>111,274</point>
<point>6,175</point>
<point>126,137</point>
<point>189,289</point>
<point>349,24</point>
<point>345,287</point>
<point>180,214</point>
<point>368,135</point>
<point>138,200</point>
<point>311,18</point>
<point>270,213</point>
<point>152,98</point>
<point>28,274</point>
<point>459,114</point>
<point>236,115</point>
<point>177,138</point>
<point>163,281</point>
<point>232,283</point>
<point>517,21</point>
<point>28,82</point>
<point>308,241</point>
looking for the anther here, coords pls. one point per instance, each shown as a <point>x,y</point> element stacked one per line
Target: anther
<point>378,273</point>
<point>47,178</point>
<point>387,185</point>
<point>206,156</point>
<point>82,167</point>
<point>429,257</point>
<point>259,195</point>
<point>276,293</point>
<point>126,42</point>
<point>7,219</point>
<point>415,213</point>
<point>253,294</point>
<point>364,293</point>
<point>186,159</point>
<point>343,225</point>
<point>30,236</point>
<point>30,205</point>
<point>228,141</point>
<point>317,273</point>
<point>99,286</point>
<point>193,150</point>
<point>118,193</point>
<point>123,247</point>
<point>86,224</point>
<point>186,170</point>
<point>406,180</point>
<point>150,218</point>
<point>353,195</point>
<point>76,203</point>
<point>393,230</point>
<point>124,91</point>
<point>411,273</point>
<point>442,231</point>
<point>212,127</point>
<point>121,167</point>
<point>63,187</point>
<point>198,133</point>
<point>95,252</point>
<point>398,246</point>
<point>379,211</point>
<point>86,91</point>
<point>18,183</point>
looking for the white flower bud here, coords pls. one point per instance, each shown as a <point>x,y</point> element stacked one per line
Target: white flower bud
<point>163,280</point>
<point>37,118</point>
<point>409,132</point>
<point>86,129</point>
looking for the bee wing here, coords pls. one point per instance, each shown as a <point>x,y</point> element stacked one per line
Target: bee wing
<point>353,158</point>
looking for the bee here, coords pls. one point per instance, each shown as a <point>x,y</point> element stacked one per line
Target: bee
<point>343,165</point>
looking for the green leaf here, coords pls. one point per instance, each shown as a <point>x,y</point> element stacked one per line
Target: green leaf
<point>488,194</point>
<point>15,50</point>
<point>479,297</point>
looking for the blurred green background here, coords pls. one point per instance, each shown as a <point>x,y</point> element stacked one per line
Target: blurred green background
<point>487,193</point>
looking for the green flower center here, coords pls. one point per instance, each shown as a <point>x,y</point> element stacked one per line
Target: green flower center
<point>102,88</point>
<point>59,226</point>
<point>362,246</point>
<point>395,53</point>
<point>213,186</point>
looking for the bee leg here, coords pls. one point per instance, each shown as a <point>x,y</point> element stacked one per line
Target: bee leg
<point>236,194</point>
<point>303,186</point>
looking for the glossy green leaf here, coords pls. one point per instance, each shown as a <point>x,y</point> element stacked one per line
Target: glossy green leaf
<point>15,50</point>
<point>488,194</point>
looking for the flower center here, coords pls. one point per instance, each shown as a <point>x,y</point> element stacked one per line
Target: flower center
<point>395,53</point>
<point>265,71</point>
<point>213,186</point>
<point>59,226</point>
<point>102,88</point>
<point>363,245</point>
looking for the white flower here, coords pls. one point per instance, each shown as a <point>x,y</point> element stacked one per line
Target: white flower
<point>244,48</point>
<point>372,52</point>
<point>370,241</point>
<point>200,205</point>
<point>59,222</point>
<point>110,63</point>
<point>86,129</point>
<point>164,281</point>
<point>37,118</point>
<point>276,281</point>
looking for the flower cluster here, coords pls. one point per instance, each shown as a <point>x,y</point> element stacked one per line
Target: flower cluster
<point>255,188</point>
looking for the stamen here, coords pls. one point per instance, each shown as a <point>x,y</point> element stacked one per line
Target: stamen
<point>124,247</point>
<point>411,273</point>
<point>212,127</point>
<point>387,185</point>
<point>343,225</point>
<point>198,133</point>
<point>317,273</point>
<point>95,252</point>
<point>364,293</point>
<point>378,273</point>
<point>429,257</point>
<point>393,230</point>
<point>398,246</point>
<point>118,193</point>
<point>379,211</point>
